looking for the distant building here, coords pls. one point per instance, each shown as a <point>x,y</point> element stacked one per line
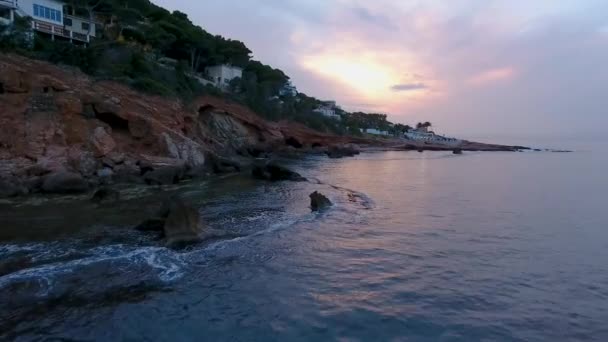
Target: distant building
<point>52,17</point>
<point>223,74</point>
<point>328,111</point>
<point>374,131</point>
<point>422,134</point>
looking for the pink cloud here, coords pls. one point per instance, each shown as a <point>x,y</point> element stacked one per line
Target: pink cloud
<point>493,75</point>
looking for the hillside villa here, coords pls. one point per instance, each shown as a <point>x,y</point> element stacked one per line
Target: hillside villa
<point>50,17</point>
<point>328,109</point>
<point>221,75</point>
<point>374,131</point>
<point>422,134</point>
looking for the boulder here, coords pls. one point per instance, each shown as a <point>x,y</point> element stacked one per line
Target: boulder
<point>37,170</point>
<point>224,165</point>
<point>273,172</point>
<point>341,151</point>
<point>105,173</point>
<point>82,162</point>
<point>64,182</point>
<point>319,202</point>
<point>457,151</point>
<point>11,188</point>
<point>183,224</point>
<point>33,184</point>
<point>105,195</point>
<point>165,175</point>
<point>127,172</point>
<point>102,141</point>
<point>151,225</point>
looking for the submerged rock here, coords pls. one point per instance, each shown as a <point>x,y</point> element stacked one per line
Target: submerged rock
<point>105,195</point>
<point>166,175</point>
<point>151,225</point>
<point>183,224</point>
<point>177,221</point>
<point>64,183</point>
<point>319,202</point>
<point>341,151</point>
<point>10,188</point>
<point>273,172</point>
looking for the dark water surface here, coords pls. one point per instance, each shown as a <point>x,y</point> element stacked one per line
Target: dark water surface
<point>418,247</point>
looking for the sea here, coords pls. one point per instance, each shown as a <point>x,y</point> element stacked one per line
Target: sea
<point>432,246</point>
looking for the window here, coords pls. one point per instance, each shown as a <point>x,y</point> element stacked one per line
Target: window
<point>67,21</point>
<point>85,26</point>
<point>47,13</point>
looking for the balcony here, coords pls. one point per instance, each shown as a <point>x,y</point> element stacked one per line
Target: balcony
<point>58,31</point>
<point>8,3</point>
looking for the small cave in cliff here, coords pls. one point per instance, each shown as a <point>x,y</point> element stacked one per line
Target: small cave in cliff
<point>206,109</point>
<point>317,145</point>
<point>116,122</point>
<point>188,124</point>
<point>291,141</point>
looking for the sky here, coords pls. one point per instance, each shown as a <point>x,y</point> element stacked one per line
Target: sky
<point>471,67</point>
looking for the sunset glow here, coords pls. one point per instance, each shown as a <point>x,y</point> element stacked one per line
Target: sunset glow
<point>366,77</point>
<point>453,63</point>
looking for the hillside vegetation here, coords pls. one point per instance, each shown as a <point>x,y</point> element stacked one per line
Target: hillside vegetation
<point>136,36</point>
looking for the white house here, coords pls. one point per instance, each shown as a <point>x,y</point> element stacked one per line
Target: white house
<point>51,17</point>
<point>374,131</point>
<point>223,74</point>
<point>327,111</point>
<point>422,134</point>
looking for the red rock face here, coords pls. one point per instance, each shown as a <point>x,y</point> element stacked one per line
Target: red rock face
<point>57,118</point>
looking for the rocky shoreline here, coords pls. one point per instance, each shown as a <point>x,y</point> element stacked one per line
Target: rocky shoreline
<point>63,132</point>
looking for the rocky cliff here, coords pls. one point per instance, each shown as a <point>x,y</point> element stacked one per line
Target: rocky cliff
<point>56,120</point>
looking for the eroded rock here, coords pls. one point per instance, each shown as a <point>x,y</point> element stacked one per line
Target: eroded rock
<point>64,183</point>
<point>274,172</point>
<point>319,202</point>
<point>105,195</point>
<point>102,142</point>
<point>341,151</point>
<point>165,175</point>
<point>183,224</point>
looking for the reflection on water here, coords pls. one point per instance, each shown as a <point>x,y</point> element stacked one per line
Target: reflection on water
<point>431,246</point>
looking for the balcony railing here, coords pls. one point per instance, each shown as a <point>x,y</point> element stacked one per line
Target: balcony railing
<point>8,3</point>
<point>57,30</point>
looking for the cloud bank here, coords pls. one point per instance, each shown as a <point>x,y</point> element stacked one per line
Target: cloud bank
<point>471,67</point>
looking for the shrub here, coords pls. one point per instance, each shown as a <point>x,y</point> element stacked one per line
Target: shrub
<point>151,86</point>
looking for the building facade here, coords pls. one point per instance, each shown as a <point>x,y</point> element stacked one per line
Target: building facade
<point>328,111</point>
<point>374,131</point>
<point>49,17</point>
<point>221,75</point>
<point>423,135</point>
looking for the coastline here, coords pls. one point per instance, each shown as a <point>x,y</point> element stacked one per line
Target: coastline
<point>64,132</point>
